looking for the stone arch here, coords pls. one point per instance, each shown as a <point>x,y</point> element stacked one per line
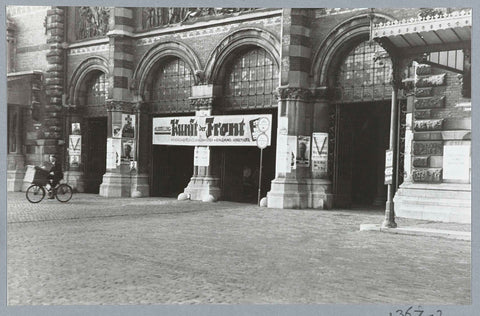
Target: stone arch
<point>158,53</point>
<point>337,44</point>
<point>82,73</point>
<point>237,40</point>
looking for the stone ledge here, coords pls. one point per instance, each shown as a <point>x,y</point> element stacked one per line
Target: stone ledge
<point>419,231</point>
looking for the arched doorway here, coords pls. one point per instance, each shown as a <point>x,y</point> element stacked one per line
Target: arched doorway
<point>92,97</point>
<point>169,89</point>
<point>362,102</point>
<point>248,77</point>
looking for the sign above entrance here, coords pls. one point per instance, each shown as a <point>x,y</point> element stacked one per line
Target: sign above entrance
<point>221,130</point>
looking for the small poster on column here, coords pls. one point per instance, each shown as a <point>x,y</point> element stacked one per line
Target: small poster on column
<point>201,156</point>
<point>113,152</point>
<point>74,160</point>
<point>128,126</point>
<point>74,144</point>
<point>116,131</point>
<point>76,129</point>
<point>303,151</point>
<point>128,150</point>
<point>319,152</point>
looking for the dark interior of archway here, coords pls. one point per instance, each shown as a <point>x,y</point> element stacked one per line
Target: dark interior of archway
<point>172,169</point>
<point>95,135</point>
<point>364,139</point>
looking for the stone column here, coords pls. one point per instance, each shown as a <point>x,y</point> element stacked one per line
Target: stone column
<point>11,28</point>
<point>203,185</point>
<point>117,180</point>
<point>140,177</point>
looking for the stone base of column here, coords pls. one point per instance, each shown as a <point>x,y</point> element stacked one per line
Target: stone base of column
<point>200,187</point>
<point>116,184</point>
<point>140,187</point>
<point>15,180</point>
<point>300,194</point>
<point>74,179</point>
<point>446,202</point>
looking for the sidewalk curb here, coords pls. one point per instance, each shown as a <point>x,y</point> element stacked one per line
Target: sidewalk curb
<point>419,231</point>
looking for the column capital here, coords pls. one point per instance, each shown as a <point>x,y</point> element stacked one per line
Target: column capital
<point>293,93</point>
<point>119,106</point>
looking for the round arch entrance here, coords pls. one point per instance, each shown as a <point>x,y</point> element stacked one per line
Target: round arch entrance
<point>362,99</point>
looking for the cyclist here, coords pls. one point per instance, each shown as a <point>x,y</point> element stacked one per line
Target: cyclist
<point>56,174</point>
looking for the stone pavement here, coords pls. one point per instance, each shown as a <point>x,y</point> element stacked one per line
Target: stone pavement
<point>93,251</point>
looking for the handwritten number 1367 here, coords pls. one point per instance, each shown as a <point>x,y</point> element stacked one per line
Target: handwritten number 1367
<point>417,312</point>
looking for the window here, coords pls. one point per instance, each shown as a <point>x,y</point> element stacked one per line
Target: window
<point>172,87</point>
<point>97,88</point>
<point>365,74</point>
<point>251,81</point>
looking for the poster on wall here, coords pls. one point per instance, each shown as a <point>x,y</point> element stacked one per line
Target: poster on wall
<point>74,145</point>
<point>113,152</point>
<point>303,151</point>
<point>116,130</point>
<point>320,152</point>
<point>128,126</point>
<point>74,160</point>
<point>221,130</point>
<point>201,156</point>
<point>76,129</point>
<point>128,149</point>
<point>286,152</point>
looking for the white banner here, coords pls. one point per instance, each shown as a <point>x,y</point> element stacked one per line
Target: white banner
<point>222,130</point>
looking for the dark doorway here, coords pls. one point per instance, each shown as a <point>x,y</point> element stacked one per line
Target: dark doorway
<point>362,138</point>
<point>240,168</point>
<point>172,169</point>
<point>96,152</point>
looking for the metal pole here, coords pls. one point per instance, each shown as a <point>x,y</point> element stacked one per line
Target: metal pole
<point>260,177</point>
<point>389,206</point>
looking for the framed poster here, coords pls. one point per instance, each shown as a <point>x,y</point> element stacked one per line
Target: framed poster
<point>303,151</point>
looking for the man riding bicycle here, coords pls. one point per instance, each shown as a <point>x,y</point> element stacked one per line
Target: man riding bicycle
<point>56,174</point>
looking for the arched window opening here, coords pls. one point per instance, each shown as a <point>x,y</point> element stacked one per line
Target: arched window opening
<point>250,81</point>
<point>365,74</point>
<point>97,87</point>
<point>172,87</point>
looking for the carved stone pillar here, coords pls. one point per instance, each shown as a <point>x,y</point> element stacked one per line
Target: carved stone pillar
<point>203,185</point>
<point>294,185</point>
<point>140,186</point>
<point>117,179</point>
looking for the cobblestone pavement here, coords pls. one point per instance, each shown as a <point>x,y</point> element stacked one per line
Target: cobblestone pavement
<point>93,250</point>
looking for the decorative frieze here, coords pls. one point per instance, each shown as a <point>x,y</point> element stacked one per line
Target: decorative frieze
<point>428,148</point>
<point>419,161</point>
<point>429,103</point>
<point>429,175</point>
<point>423,70</point>
<point>201,103</point>
<point>118,105</point>
<point>423,92</point>
<point>287,93</point>
<point>422,114</point>
<point>91,21</point>
<point>431,81</point>
<point>428,125</point>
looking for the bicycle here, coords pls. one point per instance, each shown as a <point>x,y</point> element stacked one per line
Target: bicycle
<point>36,192</point>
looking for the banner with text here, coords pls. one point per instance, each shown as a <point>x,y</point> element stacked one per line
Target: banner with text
<point>221,130</point>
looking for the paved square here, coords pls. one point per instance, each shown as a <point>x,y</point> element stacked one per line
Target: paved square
<point>93,250</point>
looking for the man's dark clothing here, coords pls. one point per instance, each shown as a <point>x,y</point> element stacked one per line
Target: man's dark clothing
<point>57,174</point>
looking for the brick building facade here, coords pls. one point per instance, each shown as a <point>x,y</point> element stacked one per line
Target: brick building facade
<point>327,79</point>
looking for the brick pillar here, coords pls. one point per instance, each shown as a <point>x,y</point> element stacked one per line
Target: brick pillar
<point>202,185</point>
<point>140,174</point>
<point>294,185</point>
<point>54,85</point>
<point>117,181</point>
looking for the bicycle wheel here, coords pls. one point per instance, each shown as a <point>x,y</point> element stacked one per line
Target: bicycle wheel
<point>35,193</point>
<point>64,192</point>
